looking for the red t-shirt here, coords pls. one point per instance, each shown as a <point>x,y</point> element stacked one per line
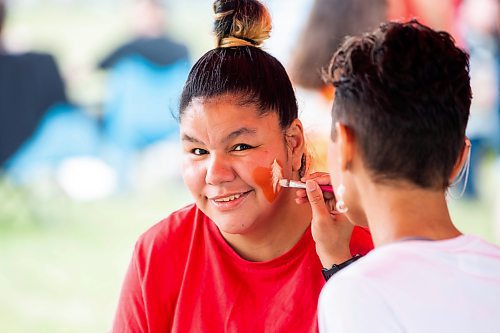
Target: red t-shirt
<point>184,277</point>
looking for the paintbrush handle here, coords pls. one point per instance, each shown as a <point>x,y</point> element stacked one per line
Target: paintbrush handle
<point>297,184</point>
<point>326,188</point>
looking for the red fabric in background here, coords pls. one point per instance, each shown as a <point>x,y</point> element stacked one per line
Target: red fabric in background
<point>439,15</point>
<point>184,277</point>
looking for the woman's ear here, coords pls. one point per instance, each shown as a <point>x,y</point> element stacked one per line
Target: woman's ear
<point>295,142</point>
<point>462,159</point>
<point>345,143</point>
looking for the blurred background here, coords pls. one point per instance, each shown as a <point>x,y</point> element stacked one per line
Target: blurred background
<point>88,137</point>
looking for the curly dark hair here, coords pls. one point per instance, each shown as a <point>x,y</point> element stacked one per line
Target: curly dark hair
<point>404,91</point>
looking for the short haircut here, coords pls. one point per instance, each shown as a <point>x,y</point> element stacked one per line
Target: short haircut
<point>404,91</point>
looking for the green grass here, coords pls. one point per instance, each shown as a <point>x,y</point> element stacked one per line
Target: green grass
<point>62,262</point>
<point>474,217</point>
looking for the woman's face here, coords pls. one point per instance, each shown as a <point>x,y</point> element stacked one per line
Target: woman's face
<point>228,152</point>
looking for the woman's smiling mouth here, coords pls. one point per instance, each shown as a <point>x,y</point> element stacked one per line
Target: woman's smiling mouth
<point>229,198</point>
<point>228,201</point>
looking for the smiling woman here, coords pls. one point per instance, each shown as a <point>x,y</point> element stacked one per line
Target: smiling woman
<point>242,258</point>
<point>228,153</point>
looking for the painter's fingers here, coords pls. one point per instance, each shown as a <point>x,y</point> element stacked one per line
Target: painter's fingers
<point>321,178</point>
<point>301,196</point>
<point>315,196</point>
<point>330,230</point>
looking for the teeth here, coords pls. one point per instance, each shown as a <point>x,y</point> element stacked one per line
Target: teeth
<point>229,198</point>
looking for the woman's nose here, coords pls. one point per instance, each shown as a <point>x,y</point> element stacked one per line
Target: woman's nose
<point>219,170</point>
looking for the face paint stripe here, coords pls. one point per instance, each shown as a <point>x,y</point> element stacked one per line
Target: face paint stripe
<point>263,177</point>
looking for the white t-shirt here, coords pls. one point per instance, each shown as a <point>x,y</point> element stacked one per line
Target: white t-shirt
<point>417,286</point>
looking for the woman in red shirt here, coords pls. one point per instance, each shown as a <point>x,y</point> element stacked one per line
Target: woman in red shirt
<point>242,258</point>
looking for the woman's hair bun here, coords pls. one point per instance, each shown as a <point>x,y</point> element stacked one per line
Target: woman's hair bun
<point>241,23</point>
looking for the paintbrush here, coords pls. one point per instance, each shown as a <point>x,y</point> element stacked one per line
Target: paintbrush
<point>296,184</point>
<point>283,182</point>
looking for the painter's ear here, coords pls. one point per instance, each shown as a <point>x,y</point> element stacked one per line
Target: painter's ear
<point>462,159</point>
<point>295,142</point>
<point>345,144</point>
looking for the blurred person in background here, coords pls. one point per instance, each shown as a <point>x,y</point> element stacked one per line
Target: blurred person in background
<point>242,258</point>
<point>40,129</point>
<point>329,22</point>
<point>440,15</point>
<point>478,24</point>
<point>144,82</point>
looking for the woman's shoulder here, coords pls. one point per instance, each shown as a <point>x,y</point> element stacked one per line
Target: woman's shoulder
<point>174,230</point>
<point>361,241</point>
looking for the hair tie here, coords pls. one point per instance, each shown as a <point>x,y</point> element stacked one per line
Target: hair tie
<point>251,41</point>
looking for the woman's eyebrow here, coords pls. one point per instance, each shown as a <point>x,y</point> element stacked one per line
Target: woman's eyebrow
<point>231,136</point>
<point>188,138</point>
<point>239,132</point>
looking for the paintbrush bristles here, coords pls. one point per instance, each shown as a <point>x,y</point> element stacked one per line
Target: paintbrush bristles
<point>292,183</point>
<point>277,174</point>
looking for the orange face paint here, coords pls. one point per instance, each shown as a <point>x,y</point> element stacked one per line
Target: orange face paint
<point>328,92</point>
<point>263,177</point>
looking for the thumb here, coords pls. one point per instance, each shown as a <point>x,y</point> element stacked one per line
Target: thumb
<point>316,199</point>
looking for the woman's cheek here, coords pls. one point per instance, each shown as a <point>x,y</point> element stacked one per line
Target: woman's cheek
<point>193,176</point>
<point>260,175</point>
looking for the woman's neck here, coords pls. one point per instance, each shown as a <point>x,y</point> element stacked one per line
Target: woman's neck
<point>396,213</point>
<point>276,234</point>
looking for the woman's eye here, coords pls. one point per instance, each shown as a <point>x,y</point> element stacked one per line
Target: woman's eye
<point>198,151</point>
<point>241,146</point>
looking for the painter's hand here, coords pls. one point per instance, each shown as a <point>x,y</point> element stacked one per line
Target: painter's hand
<point>330,229</point>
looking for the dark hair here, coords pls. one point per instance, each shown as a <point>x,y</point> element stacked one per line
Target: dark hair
<point>238,66</point>
<point>404,91</point>
<point>329,22</point>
